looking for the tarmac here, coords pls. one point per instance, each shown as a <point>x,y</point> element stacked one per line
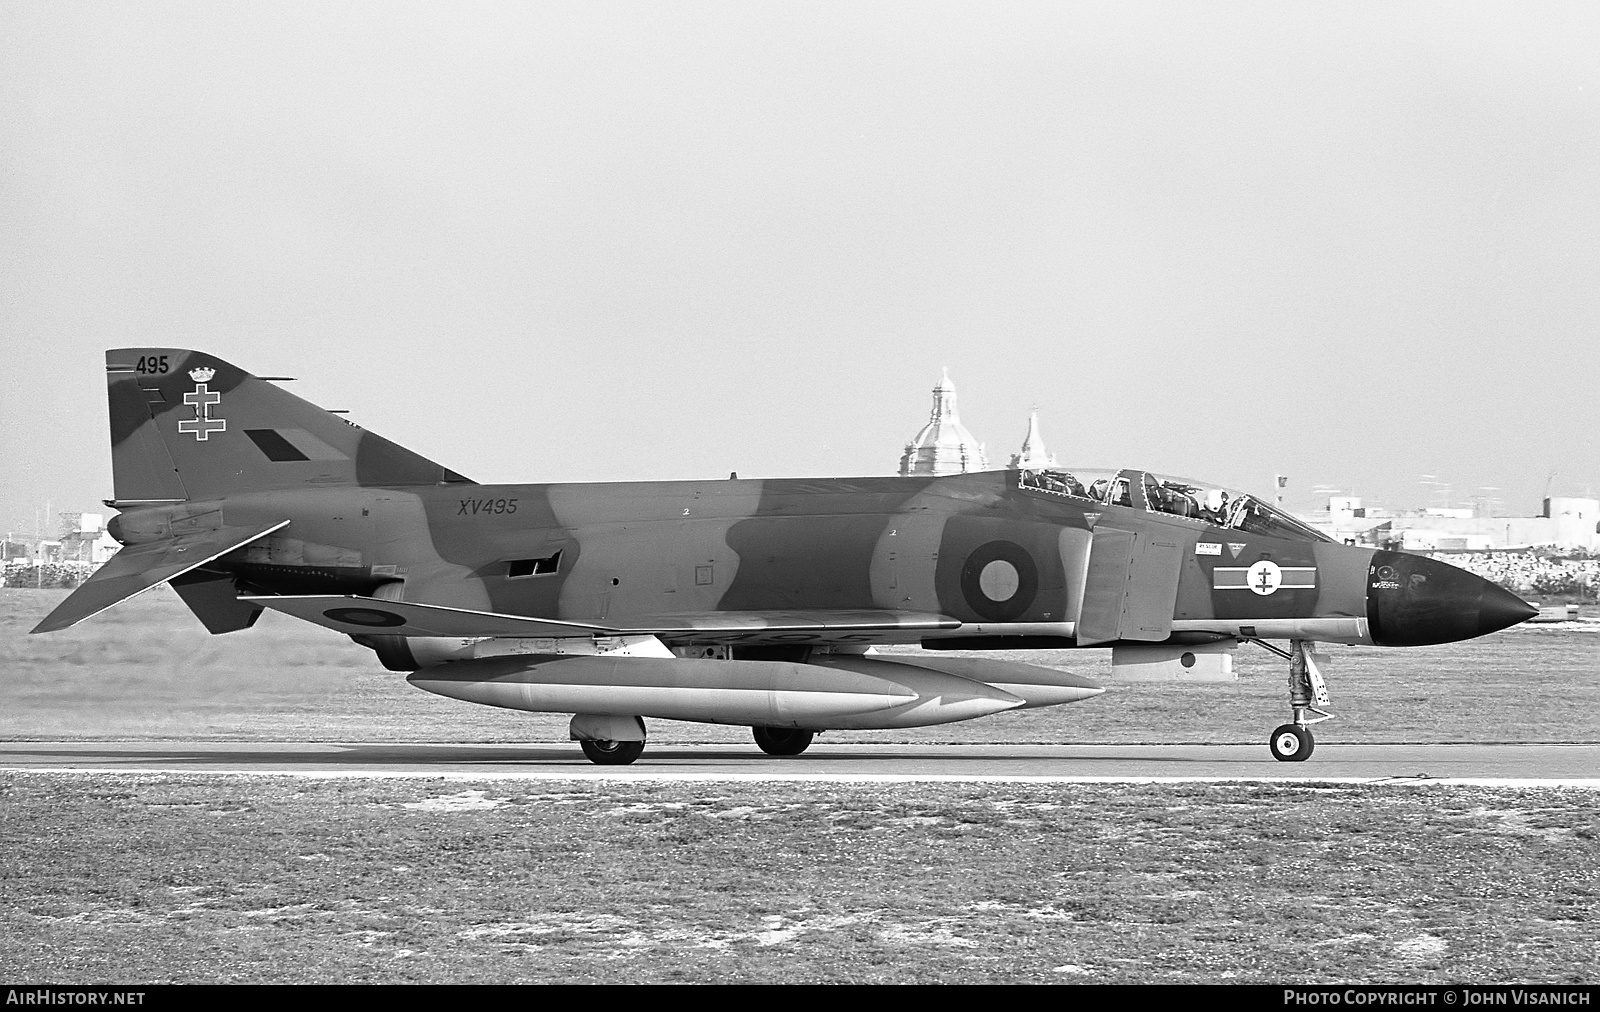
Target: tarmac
<point>1480,764</point>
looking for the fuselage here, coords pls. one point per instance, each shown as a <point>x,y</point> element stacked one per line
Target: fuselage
<point>1012,562</point>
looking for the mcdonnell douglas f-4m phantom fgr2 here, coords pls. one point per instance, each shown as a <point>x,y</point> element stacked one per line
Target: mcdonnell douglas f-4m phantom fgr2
<point>729,602</point>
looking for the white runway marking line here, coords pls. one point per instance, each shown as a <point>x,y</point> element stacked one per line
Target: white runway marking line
<point>1585,783</point>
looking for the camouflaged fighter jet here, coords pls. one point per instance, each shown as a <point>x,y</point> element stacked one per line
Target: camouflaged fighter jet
<point>730,602</point>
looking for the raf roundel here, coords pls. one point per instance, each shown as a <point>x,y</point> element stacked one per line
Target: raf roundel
<point>365,616</point>
<point>999,581</point>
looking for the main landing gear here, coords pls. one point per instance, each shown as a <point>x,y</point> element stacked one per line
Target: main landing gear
<point>1293,742</point>
<point>608,740</point>
<point>612,753</point>
<point>782,740</point>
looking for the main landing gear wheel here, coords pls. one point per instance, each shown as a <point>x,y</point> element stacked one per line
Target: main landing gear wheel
<point>1292,743</point>
<point>612,753</point>
<point>782,740</point>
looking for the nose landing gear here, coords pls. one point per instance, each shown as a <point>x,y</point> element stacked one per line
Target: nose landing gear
<point>1293,742</point>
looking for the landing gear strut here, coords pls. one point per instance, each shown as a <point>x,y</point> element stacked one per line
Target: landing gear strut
<point>782,740</point>
<point>1293,742</point>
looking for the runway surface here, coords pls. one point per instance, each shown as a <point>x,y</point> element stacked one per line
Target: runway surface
<point>1542,765</point>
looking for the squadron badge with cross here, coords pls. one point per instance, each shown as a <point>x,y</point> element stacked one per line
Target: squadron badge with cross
<point>202,400</point>
<point>1264,578</point>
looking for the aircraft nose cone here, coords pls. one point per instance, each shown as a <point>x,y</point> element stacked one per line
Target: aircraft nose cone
<point>1413,601</point>
<point>1500,608</point>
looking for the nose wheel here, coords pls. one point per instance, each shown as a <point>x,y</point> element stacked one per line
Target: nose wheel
<point>1293,742</point>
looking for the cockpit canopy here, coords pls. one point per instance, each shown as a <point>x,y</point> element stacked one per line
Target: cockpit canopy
<point>1202,502</point>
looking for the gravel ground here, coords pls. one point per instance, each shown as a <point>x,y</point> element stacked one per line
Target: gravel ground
<point>152,879</point>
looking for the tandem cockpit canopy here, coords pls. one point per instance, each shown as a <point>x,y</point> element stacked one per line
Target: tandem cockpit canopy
<point>1180,497</point>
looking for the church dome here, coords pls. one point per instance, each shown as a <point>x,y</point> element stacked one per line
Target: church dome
<point>943,446</point>
<point>1033,457</point>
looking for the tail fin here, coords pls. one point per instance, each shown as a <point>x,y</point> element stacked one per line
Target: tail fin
<point>187,425</point>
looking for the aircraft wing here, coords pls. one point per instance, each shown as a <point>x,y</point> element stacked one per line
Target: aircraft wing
<point>365,615</point>
<point>137,568</point>
<point>794,626</point>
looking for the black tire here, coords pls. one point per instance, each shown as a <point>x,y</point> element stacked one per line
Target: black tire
<point>612,753</point>
<point>1292,743</point>
<point>782,740</point>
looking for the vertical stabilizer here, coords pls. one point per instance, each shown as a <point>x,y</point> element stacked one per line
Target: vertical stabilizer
<point>187,425</point>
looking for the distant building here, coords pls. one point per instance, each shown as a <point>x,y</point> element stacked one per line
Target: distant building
<point>1566,523</point>
<point>1576,521</point>
<point>943,446</point>
<point>84,539</point>
<point>1033,456</point>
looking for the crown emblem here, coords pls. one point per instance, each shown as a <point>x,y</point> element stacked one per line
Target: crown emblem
<point>202,375</point>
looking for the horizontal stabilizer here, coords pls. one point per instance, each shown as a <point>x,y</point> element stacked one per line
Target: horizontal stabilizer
<point>137,568</point>
<point>364,615</point>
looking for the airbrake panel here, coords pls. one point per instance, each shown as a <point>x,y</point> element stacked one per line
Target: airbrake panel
<point>1131,587</point>
<point>1105,587</point>
<point>1152,587</point>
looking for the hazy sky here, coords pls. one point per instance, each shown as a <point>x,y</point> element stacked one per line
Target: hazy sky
<point>1353,243</point>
